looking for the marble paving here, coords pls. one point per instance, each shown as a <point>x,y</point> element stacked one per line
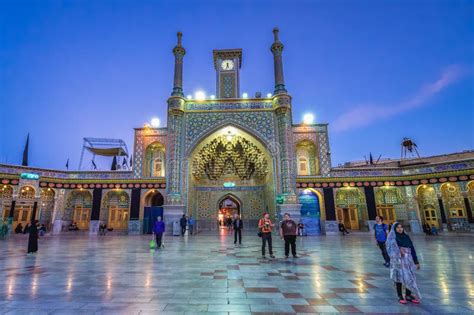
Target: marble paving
<point>78,274</point>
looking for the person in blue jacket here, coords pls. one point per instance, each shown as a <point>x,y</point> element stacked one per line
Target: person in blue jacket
<point>381,232</point>
<point>158,230</point>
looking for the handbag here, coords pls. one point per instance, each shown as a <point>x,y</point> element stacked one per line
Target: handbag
<point>259,234</point>
<point>152,243</point>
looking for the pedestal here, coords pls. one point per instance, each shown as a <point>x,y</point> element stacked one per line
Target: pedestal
<point>415,227</point>
<point>134,227</point>
<point>371,224</point>
<point>331,227</point>
<point>94,227</point>
<point>171,214</point>
<point>57,227</point>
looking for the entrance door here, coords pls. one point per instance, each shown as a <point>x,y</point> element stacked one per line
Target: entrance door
<point>430,216</point>
<point>118,218</point>
<point>387,212</point>
<point>22,215</point>
<point>5,212</point>
<point>349,217</point>
<point>149,218</point>
<point>82,217</point>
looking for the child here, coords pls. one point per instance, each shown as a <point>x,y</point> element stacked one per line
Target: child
<point>403,261</point>
<point>380,233</point>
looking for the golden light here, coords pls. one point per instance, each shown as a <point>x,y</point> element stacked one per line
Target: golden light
<point>308,118</point>
<point>155,122</point>
<point>146,125</point>
<point>200,96</point>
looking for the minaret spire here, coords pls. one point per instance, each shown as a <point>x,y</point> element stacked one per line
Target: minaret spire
<point>178,52</point>
<point>277,49</point>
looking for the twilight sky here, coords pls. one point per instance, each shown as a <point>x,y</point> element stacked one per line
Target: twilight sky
<point>376,71</point>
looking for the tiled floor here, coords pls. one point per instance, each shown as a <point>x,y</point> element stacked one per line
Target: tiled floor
<point>207,273</point>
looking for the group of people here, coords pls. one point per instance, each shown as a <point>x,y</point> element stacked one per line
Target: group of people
<point>396,246</point>
<point>430,230</point>
<point>73,226</point>
<point>19,229</point>
<point>186,223</point>
<point>288,232</point>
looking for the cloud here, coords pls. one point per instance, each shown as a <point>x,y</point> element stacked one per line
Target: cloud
<point>364,115</point>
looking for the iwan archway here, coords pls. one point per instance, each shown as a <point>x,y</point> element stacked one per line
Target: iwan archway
<point>230,162</point>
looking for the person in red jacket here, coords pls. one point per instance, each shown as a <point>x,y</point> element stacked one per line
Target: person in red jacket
<point>265,225</point>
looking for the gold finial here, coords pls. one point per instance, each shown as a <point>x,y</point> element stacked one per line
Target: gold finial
<point>180,35</point>
<point>275,33</point>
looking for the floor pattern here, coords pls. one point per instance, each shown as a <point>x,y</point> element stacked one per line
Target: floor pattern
<point>78,274</point>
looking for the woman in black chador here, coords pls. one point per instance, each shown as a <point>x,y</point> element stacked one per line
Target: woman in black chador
<point>33,239</point>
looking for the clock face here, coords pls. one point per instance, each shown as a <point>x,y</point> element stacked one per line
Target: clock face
<point>227,64</point>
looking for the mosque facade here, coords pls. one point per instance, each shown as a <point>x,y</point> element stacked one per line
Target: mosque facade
<point>235,153</point>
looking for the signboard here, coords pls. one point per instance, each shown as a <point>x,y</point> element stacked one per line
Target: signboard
<point>29,176</point>
<point>280,200</point>
<point>229,184</point>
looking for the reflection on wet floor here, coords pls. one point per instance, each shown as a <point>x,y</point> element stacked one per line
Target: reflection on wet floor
<point>207,273</point>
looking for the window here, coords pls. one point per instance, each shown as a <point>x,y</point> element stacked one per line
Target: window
<point>158,167</point>
<point>303,166</point>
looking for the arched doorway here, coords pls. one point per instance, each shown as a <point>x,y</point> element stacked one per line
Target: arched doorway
<point>153,208</point>
<point>116,209</point>
<point>154,161</point>
<point>428,205</point>
<point>350,204</point>
<point>6,195</point>
<point>78,208</point>
<point>307,159</point>
<point>24,207</point>
<point>387,200</point>
<point>227,207</point>
<point>310,212</point>
<point>454,206</point>
<point>230,161</point>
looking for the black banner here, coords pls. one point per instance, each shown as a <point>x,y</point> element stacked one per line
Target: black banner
<point>96,201</point>
<point>370,199</point>
<point>329,204</point>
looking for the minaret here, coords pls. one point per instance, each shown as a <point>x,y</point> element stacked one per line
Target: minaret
<point>277,49</point>
<point>178,52</point>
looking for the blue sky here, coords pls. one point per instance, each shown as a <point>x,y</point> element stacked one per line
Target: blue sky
<point>376,71</point>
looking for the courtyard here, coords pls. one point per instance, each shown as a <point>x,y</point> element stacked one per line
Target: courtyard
<point>79,274</point>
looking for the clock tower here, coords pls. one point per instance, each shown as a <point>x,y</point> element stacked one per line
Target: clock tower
<point>227,63</point>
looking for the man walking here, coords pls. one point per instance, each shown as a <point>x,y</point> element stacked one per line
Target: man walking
<point>237,223</point>
<point>288,232</point>
<point>183,222</point>
<point>158,230</point>
<point>381,232</point>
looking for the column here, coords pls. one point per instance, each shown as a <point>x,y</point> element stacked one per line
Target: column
<point>413,210</point>
<point>287,157</point>
<point>178,52</point>
<point>277,50</point>
<point>58,212</point>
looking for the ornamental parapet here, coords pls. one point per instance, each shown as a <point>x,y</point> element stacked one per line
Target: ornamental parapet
<point>384,180</point>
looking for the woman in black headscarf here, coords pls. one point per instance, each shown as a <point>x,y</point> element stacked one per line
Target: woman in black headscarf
<point>33,238</point>
<point>403,262</point>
